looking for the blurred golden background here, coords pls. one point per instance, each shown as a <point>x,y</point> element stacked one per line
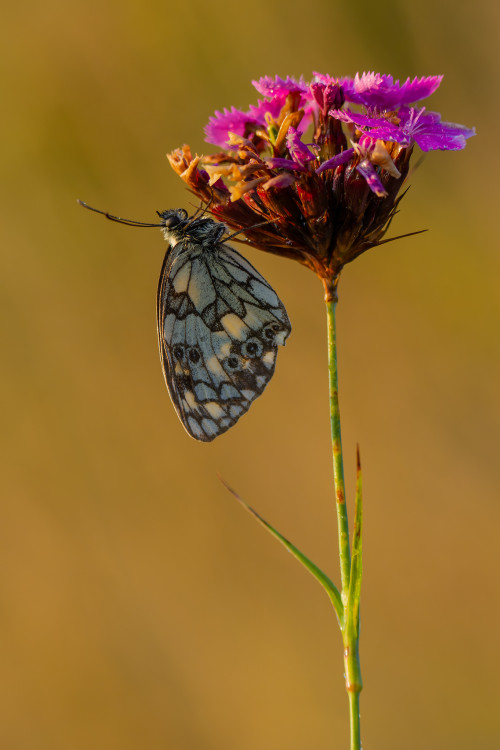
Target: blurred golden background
<point>140,608</point>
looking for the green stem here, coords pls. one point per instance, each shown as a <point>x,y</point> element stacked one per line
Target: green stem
<point>338,465</point>
<point>354,717</point>
<point>353,683</point>
<point>350,588</point>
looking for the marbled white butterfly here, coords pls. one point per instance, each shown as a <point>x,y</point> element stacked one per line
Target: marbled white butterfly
<point>219,324</point>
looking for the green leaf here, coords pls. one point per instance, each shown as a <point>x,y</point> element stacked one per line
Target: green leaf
<point>357,554</point>
<point>318,574</point>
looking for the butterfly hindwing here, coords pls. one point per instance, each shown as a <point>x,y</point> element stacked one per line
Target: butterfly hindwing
<point>219,327</point>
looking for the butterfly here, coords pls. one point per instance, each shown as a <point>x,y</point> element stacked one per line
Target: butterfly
<point>219,324</point>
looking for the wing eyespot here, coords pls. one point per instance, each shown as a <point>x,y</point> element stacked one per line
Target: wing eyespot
<point>252,348</point>
<point>233,362</point>
<point>194,355</point>
<point>270,331</point>
<point>178,351</point>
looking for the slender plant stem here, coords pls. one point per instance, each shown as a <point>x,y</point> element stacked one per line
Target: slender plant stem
<point>349,593</point>
<point>354,718</point>
<point>338,464</point>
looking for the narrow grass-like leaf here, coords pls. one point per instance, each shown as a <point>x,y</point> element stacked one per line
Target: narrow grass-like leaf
<point>318,574</point>
<point>357,553</point>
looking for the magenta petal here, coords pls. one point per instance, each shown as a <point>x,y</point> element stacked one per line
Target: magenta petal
<point>282,180</point>
<point>446,136</point>
<point>373,90</point>
<point>379,127</point>
<point>416,125</point>
<point>277,163</point>
<point>317,91</point>
<point>273,107</point>
<point>343,81</point>
<point>419,88</point>
<point>377,92</point>
<point>381,91</point>
<point>336,161</point>
<point>327,95</point>
<point>361,121</point>
<point>268,86</point>
<point>229,121</point>
<point>324,78</point>
<point>368,171</point>
<point>298,150</point>
<point>427,130</point>
<point>235,120</point>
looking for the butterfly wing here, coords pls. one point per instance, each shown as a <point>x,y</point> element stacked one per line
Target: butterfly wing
<point>219,327</point>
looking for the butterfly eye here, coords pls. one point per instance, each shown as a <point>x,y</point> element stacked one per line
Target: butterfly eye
<point>252,348</point>
<point>172,221</point>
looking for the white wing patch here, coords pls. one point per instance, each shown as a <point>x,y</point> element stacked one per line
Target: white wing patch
<point>219,327</point>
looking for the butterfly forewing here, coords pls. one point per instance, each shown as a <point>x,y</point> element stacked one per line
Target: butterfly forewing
<point>219,327</point>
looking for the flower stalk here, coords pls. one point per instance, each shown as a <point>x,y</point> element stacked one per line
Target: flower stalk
<point>350,573</point>
<point>338,463</point>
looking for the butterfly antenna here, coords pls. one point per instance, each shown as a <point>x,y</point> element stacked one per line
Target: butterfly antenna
<point>197,214</point>
<point>205,210</point>
<point>128,222</point>
<point>198,209</point>
<point>201,211</point>
<point>248,229</point>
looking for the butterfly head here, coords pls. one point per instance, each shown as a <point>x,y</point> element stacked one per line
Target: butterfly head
<point>173,217</point>
<point>178,225</point>
<point>173,222</point>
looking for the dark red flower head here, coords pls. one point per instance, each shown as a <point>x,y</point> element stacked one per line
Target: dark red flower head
<point>326,179</point>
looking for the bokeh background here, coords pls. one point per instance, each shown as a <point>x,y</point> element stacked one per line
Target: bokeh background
<point>140,607</point>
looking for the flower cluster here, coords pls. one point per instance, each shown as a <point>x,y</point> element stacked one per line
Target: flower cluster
<point>313,171</point>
